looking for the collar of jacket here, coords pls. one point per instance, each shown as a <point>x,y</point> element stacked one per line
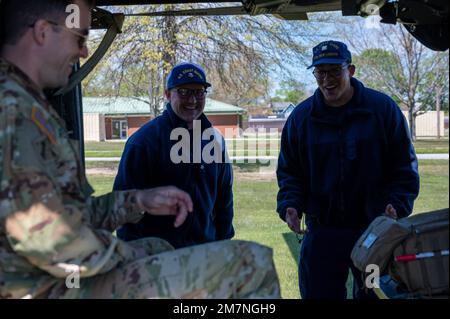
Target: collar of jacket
<point>355,107</point>
<point>13,72</point>
<point>177,122</point>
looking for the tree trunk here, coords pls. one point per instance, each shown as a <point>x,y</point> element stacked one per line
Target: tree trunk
<point>169,30</point>
<point>169,35</point>
<point>412,123</point>
<point>438,110</point>
<point>155,92</point>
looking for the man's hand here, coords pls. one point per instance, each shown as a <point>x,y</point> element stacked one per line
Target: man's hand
<point>390,212</point>
<point>293,221</point>
<point>167,200</point>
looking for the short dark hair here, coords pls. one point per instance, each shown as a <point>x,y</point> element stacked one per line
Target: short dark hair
<point>16,16</point>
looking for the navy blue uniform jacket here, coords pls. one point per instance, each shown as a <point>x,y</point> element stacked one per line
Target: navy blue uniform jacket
<point>146,163</point>
<point>342,166</point>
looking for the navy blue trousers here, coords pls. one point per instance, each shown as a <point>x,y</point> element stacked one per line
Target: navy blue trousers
<point>325,263</point>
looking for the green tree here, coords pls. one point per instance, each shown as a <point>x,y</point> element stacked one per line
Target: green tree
<point>291,90</point>
<point>394,62</point>
<point>438,80</point>
<point>239,53</point>
<point>379,69</point>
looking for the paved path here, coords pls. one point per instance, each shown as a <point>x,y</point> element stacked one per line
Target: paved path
<point>433,156</point>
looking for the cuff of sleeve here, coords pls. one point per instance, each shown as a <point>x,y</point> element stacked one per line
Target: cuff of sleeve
<point>132,212</point>
<point>282,210</point>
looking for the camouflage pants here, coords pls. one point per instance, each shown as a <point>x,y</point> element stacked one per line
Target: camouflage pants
<point>225,269</point>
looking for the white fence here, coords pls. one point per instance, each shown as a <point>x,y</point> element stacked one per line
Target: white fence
<point>94,127</point>
<point>427,124</point>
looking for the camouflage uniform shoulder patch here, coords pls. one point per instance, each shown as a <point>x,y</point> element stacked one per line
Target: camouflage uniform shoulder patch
<point>39,119</point>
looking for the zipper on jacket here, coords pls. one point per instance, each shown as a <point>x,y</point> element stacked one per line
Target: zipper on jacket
<point>341,172</point>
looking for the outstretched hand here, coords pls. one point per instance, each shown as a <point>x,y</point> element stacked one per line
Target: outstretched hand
<point>166,200</point>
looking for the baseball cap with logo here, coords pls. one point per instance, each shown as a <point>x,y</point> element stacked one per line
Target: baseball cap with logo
<point>186,73</point>
<point>330,52</point>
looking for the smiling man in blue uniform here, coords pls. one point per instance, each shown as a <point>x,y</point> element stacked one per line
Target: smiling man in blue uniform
<point>346,157</point>
<point>149,159</point>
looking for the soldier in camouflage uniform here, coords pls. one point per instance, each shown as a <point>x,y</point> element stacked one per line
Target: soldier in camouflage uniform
<point>51,228</point>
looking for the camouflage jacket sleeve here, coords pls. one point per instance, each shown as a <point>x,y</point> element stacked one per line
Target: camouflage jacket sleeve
<point>112,210</point>
<point>44,215</point>
<point>109,211</point>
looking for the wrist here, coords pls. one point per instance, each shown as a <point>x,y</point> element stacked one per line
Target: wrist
<point>135,201</point>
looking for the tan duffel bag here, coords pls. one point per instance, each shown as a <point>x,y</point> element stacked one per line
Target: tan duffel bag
<point>412,250</point>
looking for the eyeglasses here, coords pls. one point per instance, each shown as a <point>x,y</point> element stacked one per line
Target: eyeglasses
<point>335,73</point>
<point>186,93</point>
<point>82,38</point>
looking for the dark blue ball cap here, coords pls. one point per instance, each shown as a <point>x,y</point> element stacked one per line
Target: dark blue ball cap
<point>331,52</point>
<point>186,73</point>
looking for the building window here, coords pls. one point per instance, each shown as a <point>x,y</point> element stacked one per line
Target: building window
<point>119,129</point>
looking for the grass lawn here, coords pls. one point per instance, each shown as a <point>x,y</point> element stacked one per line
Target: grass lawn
<point>434,186</point>
<point>241,147</point>
<point>256,220</point>
<point>104,149</point>
<point>431,146</point>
